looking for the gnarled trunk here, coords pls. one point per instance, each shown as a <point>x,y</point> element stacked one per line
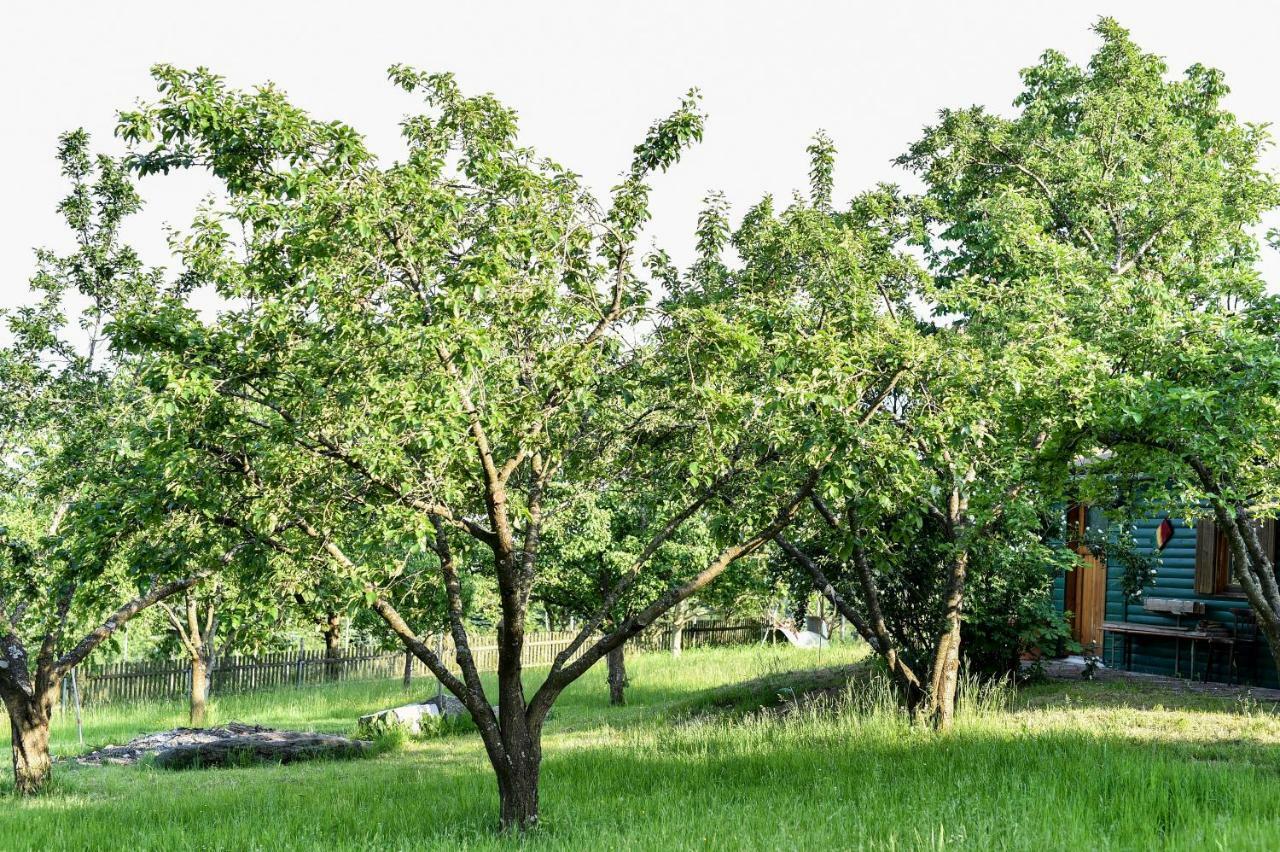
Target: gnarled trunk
<point>677,640</point>
<point>617,676</point>
<point>29,726</point>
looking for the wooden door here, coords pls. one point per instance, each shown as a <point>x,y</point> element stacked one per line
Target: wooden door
<point>1086,589</point>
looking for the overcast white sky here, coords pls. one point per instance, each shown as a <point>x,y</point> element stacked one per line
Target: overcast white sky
<point>586,77</point>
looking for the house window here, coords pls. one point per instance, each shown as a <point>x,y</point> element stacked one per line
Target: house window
<point>1214,560</point>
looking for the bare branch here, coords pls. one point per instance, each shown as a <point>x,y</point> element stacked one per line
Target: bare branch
<point>827,590</point>
<point>629,577</point>
<point>322,445</point>
<point>1140,252</point>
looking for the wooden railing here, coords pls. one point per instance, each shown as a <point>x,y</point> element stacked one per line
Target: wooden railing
<point>171,679</point>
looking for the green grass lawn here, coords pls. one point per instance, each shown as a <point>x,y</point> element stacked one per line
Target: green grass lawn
<point>689,765</point>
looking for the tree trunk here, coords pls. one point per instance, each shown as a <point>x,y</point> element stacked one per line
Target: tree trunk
<point>946,663</point>
<point>1254,571</point>
<point>408,669</point>
<point>518,788</point>
<point>677,640</point>
<point>332,648</point>
<point>947,680</point>
<point>617,676</point>
<point>199,690</point>
<point>29,727</point>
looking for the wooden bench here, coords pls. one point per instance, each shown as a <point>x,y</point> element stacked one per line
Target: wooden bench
<point>1212,634</point>
<point>1177,607</point>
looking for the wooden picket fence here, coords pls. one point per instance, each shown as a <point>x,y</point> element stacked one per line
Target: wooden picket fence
<point>700,635</point>
<point>147,681</point>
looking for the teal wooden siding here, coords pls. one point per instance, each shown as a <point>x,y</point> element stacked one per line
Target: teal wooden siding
<point>1175,578</point>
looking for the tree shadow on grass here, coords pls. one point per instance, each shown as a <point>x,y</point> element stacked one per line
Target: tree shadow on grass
<point>1142,694</point>
<point>842,782</point>
<point>1066,766</point>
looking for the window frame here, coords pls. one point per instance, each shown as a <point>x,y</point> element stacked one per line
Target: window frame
<point>1213,576</point>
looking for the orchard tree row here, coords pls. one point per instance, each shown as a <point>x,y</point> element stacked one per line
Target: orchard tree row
<point>459,381</point>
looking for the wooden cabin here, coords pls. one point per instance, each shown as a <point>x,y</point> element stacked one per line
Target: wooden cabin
<point>1191,621</point>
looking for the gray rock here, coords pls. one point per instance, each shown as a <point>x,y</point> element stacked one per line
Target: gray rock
<point>414,719</point>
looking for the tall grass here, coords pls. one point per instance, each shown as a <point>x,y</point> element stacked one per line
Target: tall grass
<point>1076,766</point>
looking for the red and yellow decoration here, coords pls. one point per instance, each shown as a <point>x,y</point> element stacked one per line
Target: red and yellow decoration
<point>1164,532</point>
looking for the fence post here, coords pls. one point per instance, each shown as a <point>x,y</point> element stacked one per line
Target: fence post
<point>299,666</point>
<point>75,689</point>
<point>439,682</point>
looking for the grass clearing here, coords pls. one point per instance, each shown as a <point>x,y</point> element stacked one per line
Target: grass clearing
<point>687,764</point>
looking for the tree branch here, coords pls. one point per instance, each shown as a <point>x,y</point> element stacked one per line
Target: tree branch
<point>559,678</point>
<point>457,629</point>
<point>122,615</point>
